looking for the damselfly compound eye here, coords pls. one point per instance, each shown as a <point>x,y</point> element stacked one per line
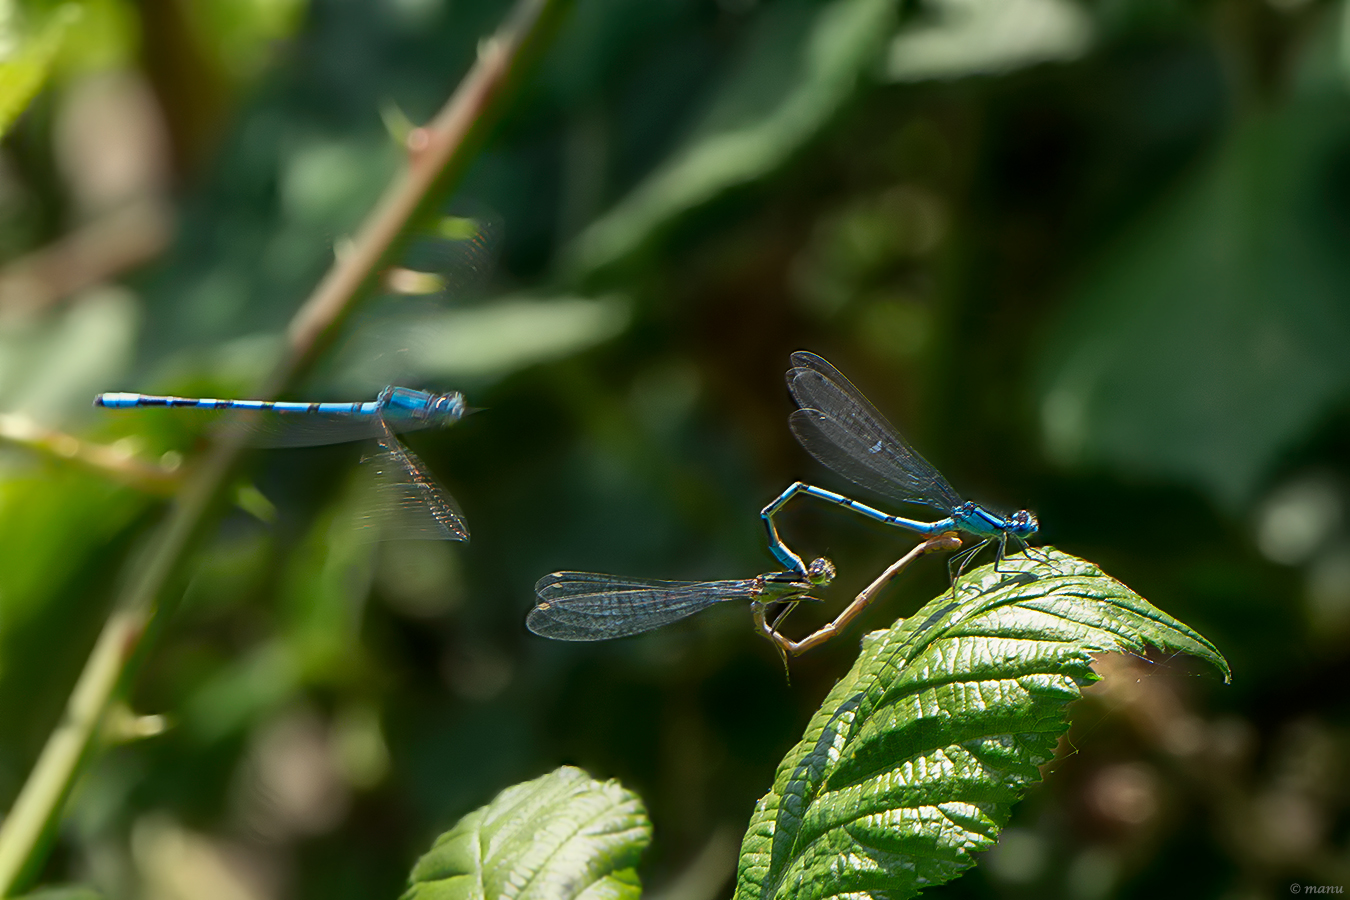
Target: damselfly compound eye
<point>821,571</point>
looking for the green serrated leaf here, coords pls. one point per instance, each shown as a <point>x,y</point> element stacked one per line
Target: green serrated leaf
<point>558,837</point>
<point>915,758</point>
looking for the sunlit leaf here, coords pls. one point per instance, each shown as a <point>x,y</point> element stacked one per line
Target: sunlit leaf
<point>482,342</point>
<point>799,67</point>
<point>24,71</point>
<point>915,758</point>
<point>61,530</point>
<point>558,837</point>
<point>980,37</point>
<point>51,367</point>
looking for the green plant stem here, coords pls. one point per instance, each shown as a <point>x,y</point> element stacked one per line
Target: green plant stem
<point>107,460</point>
<point>438,155</point>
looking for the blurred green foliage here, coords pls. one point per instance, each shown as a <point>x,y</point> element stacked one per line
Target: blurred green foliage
<point>1087,257</point>
<point>29,61</point>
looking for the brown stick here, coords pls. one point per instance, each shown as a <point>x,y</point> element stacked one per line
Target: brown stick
<point>85,257</point>
<point>946,541</point>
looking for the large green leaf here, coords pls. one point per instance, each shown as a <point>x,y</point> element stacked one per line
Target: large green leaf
<point>915,758</point>
<point>561,836</point>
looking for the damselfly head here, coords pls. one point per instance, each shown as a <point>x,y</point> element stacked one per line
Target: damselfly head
<point>1024,524</point>
<point>821,572</point>
<point>451,406</point>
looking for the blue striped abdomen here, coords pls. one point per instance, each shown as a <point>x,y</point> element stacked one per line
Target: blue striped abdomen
<point>116,400</point>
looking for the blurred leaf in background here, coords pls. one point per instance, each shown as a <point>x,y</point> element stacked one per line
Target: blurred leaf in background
<point>28,58</point>
<point>799,65</point>
<point>979,37</point>
<point>1206,342</point>
<point>1085,255</point>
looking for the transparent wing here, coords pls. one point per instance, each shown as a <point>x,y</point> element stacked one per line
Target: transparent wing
<point>587,606</point>
<point>460,252</point>
<point>262,428</point>
<point>452,260</point>
<point>844,431</point>
<point>406,502</point>
<point>561,585</point>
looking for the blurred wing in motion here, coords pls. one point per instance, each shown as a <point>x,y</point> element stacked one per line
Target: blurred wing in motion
<point>275,430</point>
<point>449,261</point>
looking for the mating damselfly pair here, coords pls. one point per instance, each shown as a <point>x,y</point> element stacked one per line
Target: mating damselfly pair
<point>837,425</point>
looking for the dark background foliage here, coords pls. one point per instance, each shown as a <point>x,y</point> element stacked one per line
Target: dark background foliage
<point>1089,256</point>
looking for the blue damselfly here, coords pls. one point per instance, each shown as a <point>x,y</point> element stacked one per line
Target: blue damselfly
<point>408,504</point>
<point>844,431</point>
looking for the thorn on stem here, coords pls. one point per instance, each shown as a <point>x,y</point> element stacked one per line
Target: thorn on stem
<point>417,141</point>
<point>122,725</point>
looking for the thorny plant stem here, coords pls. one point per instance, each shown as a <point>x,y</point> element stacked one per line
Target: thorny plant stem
<point>946,541</point>
<point>438,155</point>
